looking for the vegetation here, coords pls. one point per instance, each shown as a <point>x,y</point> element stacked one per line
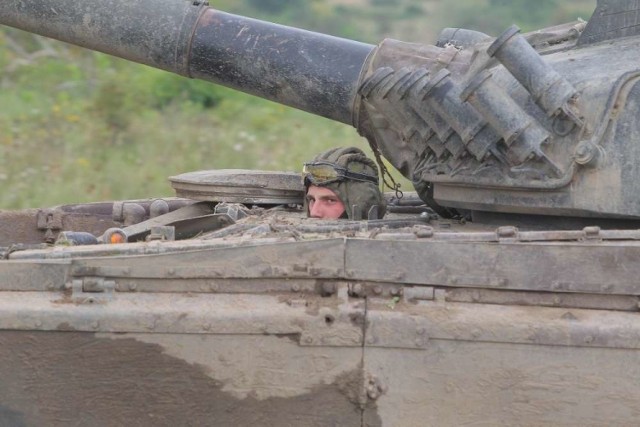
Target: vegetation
<point>78,126</point>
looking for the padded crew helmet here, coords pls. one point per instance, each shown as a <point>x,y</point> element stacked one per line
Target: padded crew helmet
<point>352,176</point>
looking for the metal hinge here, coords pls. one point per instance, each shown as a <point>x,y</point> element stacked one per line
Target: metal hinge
<point>92,289</point>
<point>393,291</point>
<point>49,220</point>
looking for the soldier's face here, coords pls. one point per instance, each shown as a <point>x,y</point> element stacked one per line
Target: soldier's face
<point>323,203</point>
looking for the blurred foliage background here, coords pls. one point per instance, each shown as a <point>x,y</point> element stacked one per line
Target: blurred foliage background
<point>79,126</point>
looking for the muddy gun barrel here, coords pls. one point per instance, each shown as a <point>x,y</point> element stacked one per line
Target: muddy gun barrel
<point>314,72</point>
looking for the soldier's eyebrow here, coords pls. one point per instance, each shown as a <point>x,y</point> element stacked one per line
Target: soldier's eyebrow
<point>322,198</point>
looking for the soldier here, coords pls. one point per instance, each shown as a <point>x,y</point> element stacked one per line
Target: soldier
<point>343,183</point>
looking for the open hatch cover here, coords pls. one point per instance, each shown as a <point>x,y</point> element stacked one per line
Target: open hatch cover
<point>240,186</point>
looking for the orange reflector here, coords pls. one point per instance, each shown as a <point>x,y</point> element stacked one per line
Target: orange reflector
<point>113,236</point>
<point>116,238</point>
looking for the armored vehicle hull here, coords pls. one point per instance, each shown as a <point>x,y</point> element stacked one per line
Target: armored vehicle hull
<point>415,326</point>
<point>465,305</point>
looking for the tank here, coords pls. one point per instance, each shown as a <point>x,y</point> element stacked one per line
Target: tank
<point>503,291</point>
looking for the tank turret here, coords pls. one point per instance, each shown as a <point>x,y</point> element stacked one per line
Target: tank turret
<point>539,123</point>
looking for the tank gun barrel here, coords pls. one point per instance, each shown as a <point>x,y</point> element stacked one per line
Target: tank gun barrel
<point>314,72</point>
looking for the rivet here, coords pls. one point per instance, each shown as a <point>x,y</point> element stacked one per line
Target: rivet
<point>421,331</point>
<point>171,272</point>
<point>372,392</point>
<point>308,340</point>
<point>329,288</point>
<point>593,231</point>
<point>371,340</point>
<point>377,289</point>
<point>300,267</point>
<point>588,339</point>
<point>507,231</point>
<point>424,233</point>
<point>132,286</point>
<point>38,324</point>
<point>206,326</point>
<point>295,288</point>
<point>95,325</point>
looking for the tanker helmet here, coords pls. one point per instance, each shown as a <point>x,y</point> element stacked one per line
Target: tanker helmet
<point>351,175</point>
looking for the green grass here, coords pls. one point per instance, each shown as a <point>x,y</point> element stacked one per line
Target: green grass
<point>67,152</point>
